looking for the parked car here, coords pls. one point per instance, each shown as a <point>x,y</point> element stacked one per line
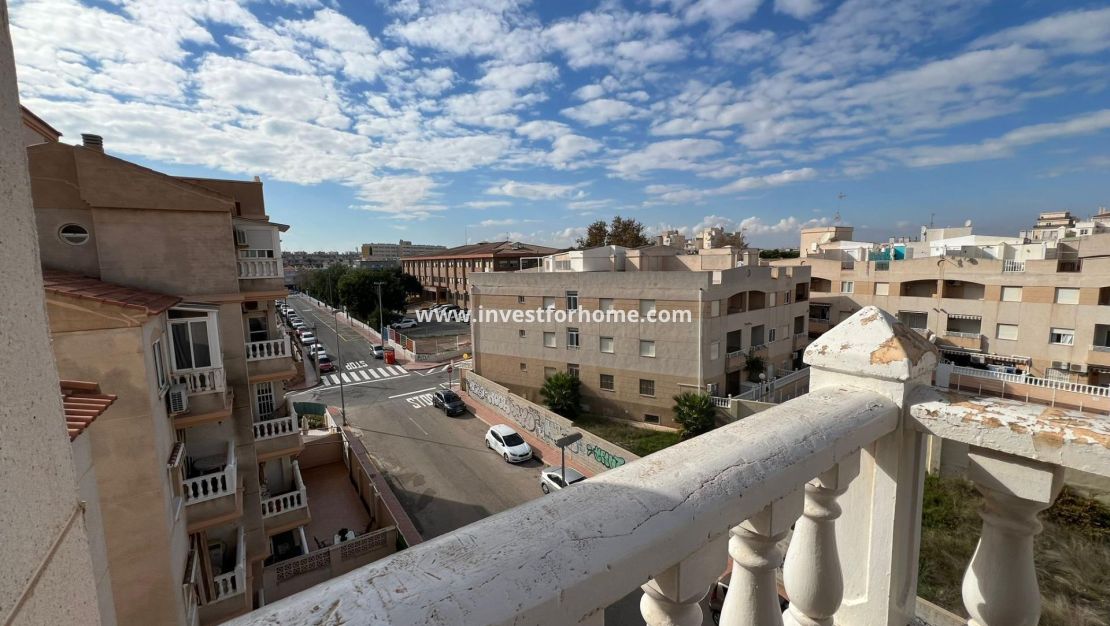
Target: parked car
<point>307,338</point>
<point>378,351</point>
<point>551,478</point>
<point>449,401</point>
<point>510,445</point>
<point>407,322</point>
<point>324,362</point>
<point>315,350</point>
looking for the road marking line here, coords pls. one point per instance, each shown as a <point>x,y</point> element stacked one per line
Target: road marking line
<point>374,373</point>
<point>417,425</point>
<point>361,382</point>
<point>345,378</point>
<point>396,370</point>
<point>364,375</point>
<point>413,393</point>
<point>334,379</point>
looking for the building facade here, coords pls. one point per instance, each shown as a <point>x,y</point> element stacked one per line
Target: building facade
<point>162,289</point>
<point>397,251</point>
<point>736,309</point>
<point>1012,304</point>
<point>444,275</point>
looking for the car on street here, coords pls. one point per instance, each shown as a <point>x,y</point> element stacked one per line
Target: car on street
<point>510,445</point>
<point>315,350</point>
<point>324,362</point>
<point>551,478</point>
<point>407,322</point>
<point>307,338</point>
<point>449,401</point>
<point>378,351</point>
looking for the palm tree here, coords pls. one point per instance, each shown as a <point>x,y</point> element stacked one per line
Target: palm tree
<point>562,395</point>
<point>695,412</point>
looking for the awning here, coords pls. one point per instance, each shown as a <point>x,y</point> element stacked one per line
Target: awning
<point>1009,359</point>
<point>959,316</point>
<point>957,350</point>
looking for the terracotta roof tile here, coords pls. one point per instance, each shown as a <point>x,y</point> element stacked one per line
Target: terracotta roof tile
<point>78,286</point>
<point>484,249</point>
<point>83,403</point>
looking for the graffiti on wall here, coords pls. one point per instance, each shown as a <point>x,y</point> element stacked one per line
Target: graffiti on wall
<point>538,422</point>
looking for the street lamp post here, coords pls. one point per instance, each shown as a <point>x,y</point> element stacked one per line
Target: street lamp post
<point>762,388</point>
<point>381,316</point>
<point>562,443</point>
<point>338,353</point>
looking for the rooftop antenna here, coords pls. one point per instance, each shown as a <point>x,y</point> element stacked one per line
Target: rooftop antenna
<point>836,217</point>
<point>931,216</point>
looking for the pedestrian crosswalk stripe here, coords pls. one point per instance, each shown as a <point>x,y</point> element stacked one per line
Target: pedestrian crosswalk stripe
<point>363,374</point>
<point>334,379</point>
<point>396,370</point>
<point>374,373</point>
<point>345,378</point>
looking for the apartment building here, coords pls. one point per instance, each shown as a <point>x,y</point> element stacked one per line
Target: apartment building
<point>443,275</point>
<point>1039,306</point>
<point>736,308</point>
<point>161,290</point>
<point>397,251</point>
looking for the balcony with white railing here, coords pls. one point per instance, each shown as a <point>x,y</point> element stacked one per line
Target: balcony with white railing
<point>1013,265</point>
<point>269,349</point>
<point>200,380</point>
<point>278,436</point>
<point>229,593</point>
<point>843,465</point>
<point>289,509</point>
<point>211,489</point>
<point>259,268</point>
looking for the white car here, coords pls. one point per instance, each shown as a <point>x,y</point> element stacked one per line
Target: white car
<point>506,442</point>
<point>316,350</point>
<point>307,338</point>
<point>407,322</point>
<point>551,478</point>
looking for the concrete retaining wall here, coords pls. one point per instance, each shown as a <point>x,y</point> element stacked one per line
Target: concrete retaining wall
<point>591,451</point>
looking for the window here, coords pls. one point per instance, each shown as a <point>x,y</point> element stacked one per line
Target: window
<point>647,307</point>
<point>1007,331</point>
<point>159,365</point>
<point>73,234</point>
<point>572,300</point>
<point>523,367</point>
<point>192,339</point>
<point>572,339</point>
<point>520,299</point>
<point>786,297</point>
<point>572,369</point>
<point>651,419</point>
<point>548,372</point>
<point>847,286</point>
<point>1011,294</point>
<point>1062,336</point>
<point>549,302</point>
<point>647,387</point>
<point>264,400</point>
<point>605,304</point>
<point>771,334</point>
<point>1067,295</point>
<point>549,340</point>
<point>714,350</point>
<point>522,333</point>
<point>256,328</point>
<point>771,298</point>
<point>714,308</point>
<point>607,345</point>
<point>647,348</point>
<point>882,289</point>
<point>606,382</point>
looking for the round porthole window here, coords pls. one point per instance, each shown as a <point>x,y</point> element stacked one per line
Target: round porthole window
<point>73,234</point>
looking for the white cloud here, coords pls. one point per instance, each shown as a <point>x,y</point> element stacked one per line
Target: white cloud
<point>800,9</point>
<point>535,191</point>
<point>542,129</point>
<point>505,222</point>
<point>589,92</point>
<point>517,77</point>
<point>565,149</point>
<point>1078,32</point>
<point>487,204</point>
<point>600,111</point>
<point>784,177</point>
<point>677,154</point>
<point>721,13</point>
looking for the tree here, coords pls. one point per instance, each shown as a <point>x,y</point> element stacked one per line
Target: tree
<point>597,234</point>
<point>562,394</point>
<point>736,240</point>
<point>626,232</point>
<point>754,365</point>
<point>695,412</point>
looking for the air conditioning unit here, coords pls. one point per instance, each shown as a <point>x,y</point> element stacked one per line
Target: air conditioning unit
<point>978,358</point>
<point>1061,365</point>
<point>1079,368</point>
<point>240,237</point>
<point>178,398</point>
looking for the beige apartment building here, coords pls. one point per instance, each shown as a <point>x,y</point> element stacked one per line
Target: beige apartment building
<point>161,290</point>
<point>443,275</point>
<point>1010,304</point>
<point>735,308</point>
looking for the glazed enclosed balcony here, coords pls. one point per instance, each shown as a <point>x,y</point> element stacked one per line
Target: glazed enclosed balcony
<point>843,466</point>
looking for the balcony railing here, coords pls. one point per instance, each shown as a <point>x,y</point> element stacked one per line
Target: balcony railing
<point>201,380</point>
<point>215,484</point>
<point>1023,379</point>
<point>259,268</point>
<point>1011,265</point>
<point>296,499</point>
<point>190,587</point>
<point>277,427</point>
<point>843,465</point>
<point>268,349</point>
<point>234,582</point>
<point>1100,348</point>
<point>964,335</point>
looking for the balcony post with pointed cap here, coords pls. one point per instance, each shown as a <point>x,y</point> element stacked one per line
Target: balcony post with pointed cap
<point>877,536</point>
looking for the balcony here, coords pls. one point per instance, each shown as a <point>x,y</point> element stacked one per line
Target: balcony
<point>211,490</point>
<point>277,437</point>
<point>1012,265</point>
<point>259,268</point>
<point>966,340</point>
<point>843,465</point>
<point>1099,355</point>
<point>227,595</point>
<point>289,509</point>
<point>268,349</point>
<point>200,380</point>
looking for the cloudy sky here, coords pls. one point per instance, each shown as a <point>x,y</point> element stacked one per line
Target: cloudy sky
<point>437,120</point>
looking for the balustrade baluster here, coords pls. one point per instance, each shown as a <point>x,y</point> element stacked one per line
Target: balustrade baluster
<point>673,597</point>
<point>753,598</point>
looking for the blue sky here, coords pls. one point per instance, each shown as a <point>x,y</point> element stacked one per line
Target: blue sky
<point>438,120</point>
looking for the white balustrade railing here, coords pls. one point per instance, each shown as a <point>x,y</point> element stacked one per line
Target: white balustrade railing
<point>277,427</point>
<point>844,465</point>
<point>259,268</point>
<point>234,582</point>
<point>963,335</point>
<point>1100,348</point>
<point>1011,265</point>
<point>213,485</point>
<point>296,499</point>
<point>268,349</point>
<point>1024,379</point>
<point>201,380</point>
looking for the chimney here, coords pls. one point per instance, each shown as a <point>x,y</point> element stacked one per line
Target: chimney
<point>92,142</point>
